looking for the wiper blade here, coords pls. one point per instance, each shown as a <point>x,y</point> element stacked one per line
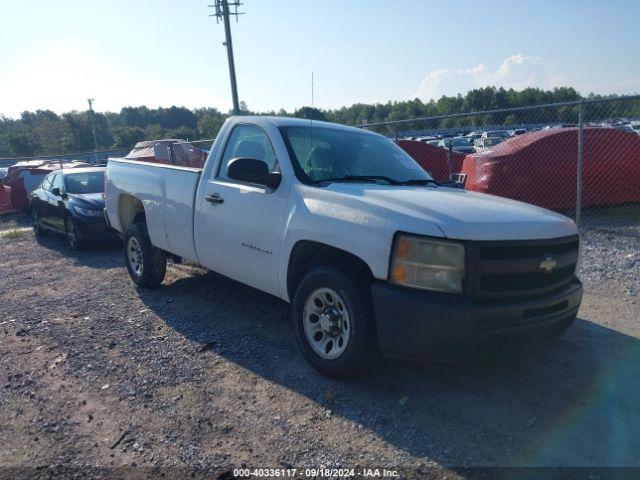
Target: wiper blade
<point>420,181</point>
<point>359,178</point>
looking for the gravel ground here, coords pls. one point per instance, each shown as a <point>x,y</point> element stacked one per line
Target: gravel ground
<point>203,375</point>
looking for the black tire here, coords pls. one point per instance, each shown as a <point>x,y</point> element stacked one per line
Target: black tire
<point>152,260</point>
<point>37,225</point>
<point>361,351</point>
<point>74,240</point>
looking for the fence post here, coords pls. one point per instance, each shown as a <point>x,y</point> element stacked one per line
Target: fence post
<point>580,164</point>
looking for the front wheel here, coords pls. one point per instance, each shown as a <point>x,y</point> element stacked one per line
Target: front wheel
<point>37,225</point>
<point>334,323</point>
<point>146,264</point>
<point>71,232</point>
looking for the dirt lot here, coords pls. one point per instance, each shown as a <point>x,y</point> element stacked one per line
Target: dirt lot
<point>204,374</point>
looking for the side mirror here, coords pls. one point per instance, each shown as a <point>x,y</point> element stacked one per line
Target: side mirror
<point>56,191</point>
<point>252,171</point>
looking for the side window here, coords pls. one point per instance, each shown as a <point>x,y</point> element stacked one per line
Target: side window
<point>247,141</point>
<point>58,182</point>
<point>46,183</point>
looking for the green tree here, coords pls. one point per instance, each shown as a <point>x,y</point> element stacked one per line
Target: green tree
<point>310,113</point>
<point>125,137</point>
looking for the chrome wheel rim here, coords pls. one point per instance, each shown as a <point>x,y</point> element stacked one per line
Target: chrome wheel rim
<point>134,256</point>
<point>326,321</point>
<point>71,233</point>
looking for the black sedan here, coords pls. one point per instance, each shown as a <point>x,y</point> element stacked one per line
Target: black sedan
<point>70,201</point>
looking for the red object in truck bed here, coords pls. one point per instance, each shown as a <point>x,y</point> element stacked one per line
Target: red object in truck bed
<point>541,167</point>
<point>169,152</point>
<point>432,159</point>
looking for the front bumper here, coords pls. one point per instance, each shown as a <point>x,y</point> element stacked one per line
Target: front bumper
<point>426,325</point>
<point>94,228</point>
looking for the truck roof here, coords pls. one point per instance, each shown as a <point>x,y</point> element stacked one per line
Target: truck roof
<point>291,122</point>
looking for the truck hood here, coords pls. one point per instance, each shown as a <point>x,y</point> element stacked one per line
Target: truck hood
<point>459,214</point>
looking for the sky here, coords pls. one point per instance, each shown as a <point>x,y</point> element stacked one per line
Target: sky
<point>55,55</point>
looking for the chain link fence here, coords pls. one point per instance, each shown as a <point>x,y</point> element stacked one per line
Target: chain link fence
<point>99,157</point>
<point>579,158</point>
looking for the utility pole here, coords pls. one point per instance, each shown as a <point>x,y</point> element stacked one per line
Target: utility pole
<point>93,129</point>
<point>221,11</point>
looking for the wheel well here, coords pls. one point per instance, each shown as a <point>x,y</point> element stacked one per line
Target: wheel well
<point>307,255</point>
<point>130,210</point>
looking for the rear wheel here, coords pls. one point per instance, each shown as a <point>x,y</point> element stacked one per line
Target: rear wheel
<point>334,322</point>
<point>146,264</point>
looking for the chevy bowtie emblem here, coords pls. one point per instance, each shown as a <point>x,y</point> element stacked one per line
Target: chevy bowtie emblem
<point>548,264</point>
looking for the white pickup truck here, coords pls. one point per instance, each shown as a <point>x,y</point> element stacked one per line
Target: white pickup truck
<point>371,252</point>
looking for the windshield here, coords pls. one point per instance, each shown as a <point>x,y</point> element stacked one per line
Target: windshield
<point>84,182</point>
<point>321,153</point>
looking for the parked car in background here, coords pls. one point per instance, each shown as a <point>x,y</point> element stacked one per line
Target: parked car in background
<point>3,172</point>
<point>427,139</point>
<point>71,202</point>
<point>536,167</point>
<point>473,135</point>
<point>457,144</point>
<point>503,134</point>
<point>23,178</point>
<point>371,252</point>
<point>487,142</point>
<point>625,127</point>
<point>517,131</point>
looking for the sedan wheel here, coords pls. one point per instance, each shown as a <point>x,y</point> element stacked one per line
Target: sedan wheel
<point>71,232</point>
<point>37,226</point>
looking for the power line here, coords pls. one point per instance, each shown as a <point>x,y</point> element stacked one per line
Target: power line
<point>222,11</point>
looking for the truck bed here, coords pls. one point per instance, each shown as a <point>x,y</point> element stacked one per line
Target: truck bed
<point>167,193</point>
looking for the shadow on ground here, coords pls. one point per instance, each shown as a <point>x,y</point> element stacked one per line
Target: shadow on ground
<point>96,254</point>
<point>574,403</point>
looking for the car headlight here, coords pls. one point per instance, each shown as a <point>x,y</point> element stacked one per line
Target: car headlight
<point>427,263</point>
<point>88,213</point>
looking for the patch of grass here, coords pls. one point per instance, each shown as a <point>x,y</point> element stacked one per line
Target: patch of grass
<point>13,233</point>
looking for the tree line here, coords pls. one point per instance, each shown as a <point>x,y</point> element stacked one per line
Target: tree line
<point>44,132</point>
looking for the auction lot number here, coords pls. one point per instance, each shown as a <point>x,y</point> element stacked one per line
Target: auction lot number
<point>314,473</point>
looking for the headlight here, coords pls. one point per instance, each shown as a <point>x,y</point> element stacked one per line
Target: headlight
<point>88,213</point>
<point>429,264</point>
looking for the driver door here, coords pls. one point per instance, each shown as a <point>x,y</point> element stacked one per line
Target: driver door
<point>55,208</point>
<point>239,231</point>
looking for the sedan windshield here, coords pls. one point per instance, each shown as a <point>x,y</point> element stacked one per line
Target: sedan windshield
<point>84,182</point>
<point>333,154</point>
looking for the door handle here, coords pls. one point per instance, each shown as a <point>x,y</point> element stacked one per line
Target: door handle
<point>214,198</point>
